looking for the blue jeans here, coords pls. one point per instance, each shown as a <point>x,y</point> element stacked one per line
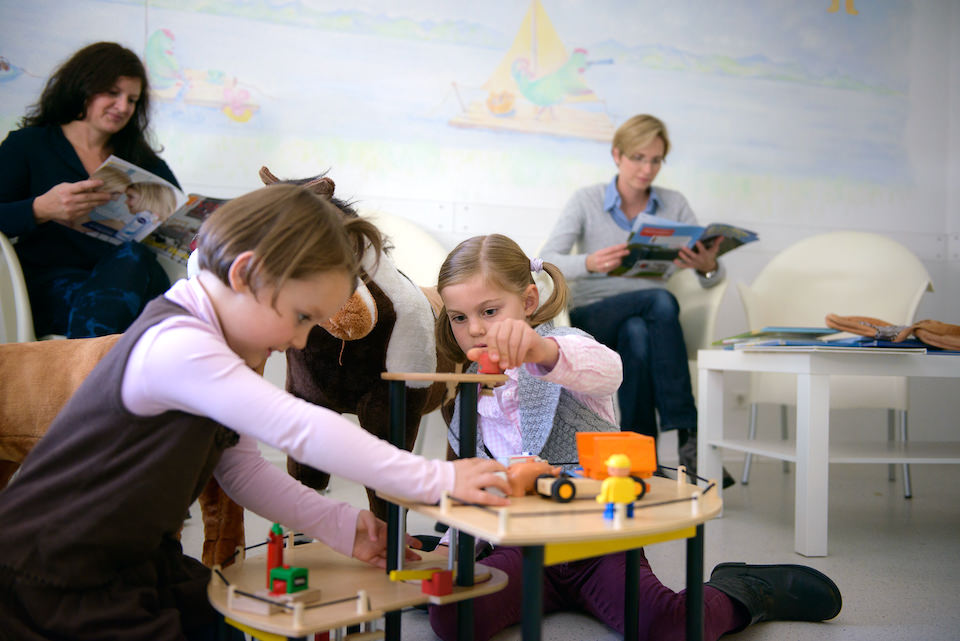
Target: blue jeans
<point>105,299</point>
<point>644,328</point>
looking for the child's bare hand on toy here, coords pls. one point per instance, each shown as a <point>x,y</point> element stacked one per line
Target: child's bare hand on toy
<point>370,543</point>
<point>474,475</point>
<point>513,342</point>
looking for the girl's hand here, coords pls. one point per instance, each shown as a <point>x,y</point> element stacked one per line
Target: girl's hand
<point>513,342</point>
<point>370,543</point>
<point>603,260</point>
<point>473,475</point>
<point>67,202</point>
<point>700,257</point>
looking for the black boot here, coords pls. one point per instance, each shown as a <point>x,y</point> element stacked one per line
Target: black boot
<point>687,453</point>
<point>778,592</point>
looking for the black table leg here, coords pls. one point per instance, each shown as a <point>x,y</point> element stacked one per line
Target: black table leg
<point>631,596</point>
<point>695,586</point>
<point>398,413</point>
<point>531,621</point>
<point>466,544</point>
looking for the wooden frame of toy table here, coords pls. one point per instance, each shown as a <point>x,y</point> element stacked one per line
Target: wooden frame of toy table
<point>339,579</point>
<point>552,532</point>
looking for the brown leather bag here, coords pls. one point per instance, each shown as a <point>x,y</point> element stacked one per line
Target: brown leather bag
<point>931,332</point>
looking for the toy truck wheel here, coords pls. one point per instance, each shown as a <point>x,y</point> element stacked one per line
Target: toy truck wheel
<point>643,487</point>
<point>563,490</point>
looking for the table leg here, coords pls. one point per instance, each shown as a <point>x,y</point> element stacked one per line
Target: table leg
<point>710,425</point>
<point>531,621</point>
<point>395,533</point>
<point>695,586</point>
<point>466,550</point>
<point>631,597</point>
<point>813,466</point>
<point>466,544</point>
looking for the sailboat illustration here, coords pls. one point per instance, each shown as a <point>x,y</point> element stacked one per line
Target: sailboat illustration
<point>538,88</point>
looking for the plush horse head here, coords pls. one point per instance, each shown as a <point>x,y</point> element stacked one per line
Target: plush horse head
<point>387,325</point>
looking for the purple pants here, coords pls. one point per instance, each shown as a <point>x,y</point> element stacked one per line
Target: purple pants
<point>594,586</point>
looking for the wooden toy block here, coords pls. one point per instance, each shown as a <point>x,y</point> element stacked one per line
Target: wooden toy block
<point>440,584</point>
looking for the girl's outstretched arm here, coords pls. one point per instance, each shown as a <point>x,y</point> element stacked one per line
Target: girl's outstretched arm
<point>183,364</point>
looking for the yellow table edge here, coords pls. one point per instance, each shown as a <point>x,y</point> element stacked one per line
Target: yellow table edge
<point>563,552</point>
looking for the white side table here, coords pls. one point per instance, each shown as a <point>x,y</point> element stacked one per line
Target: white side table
<point>812,452</point>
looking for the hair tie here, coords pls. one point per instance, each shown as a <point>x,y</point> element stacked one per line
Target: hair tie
<point>536,265</point>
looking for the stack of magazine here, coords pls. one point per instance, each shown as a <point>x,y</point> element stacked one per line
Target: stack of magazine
<point>146,208</point>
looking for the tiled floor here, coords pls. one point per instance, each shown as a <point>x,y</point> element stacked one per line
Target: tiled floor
<point>896,561</point>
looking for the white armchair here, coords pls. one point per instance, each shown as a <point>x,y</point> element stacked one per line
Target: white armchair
<point>846,273</point>
<point>16,317</point>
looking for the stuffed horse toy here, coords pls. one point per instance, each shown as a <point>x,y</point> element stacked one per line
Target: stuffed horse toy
<point>386,326</point>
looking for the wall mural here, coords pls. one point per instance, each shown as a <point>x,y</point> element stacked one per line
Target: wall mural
<point>511,102</point>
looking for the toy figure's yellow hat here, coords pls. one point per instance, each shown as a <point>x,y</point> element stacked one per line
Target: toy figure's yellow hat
<point>618,460</point>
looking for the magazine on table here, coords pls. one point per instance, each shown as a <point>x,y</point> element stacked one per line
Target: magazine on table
<point>140,202</point>
<point>656,243</point>
<point>777,332</point>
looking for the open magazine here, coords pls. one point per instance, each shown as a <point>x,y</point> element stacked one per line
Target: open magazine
<point>146,208</point>
<point>657,242</point>
<point>176,236</point>
<point>140,202</point>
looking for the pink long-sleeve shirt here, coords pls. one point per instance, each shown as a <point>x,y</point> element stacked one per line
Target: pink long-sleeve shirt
<point>184,363</point>
<point>591,371</point>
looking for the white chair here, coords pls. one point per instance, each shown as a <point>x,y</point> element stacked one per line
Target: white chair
<point>16,317</point>
<point>698,314</point>
<point>414,251</point>
<point>846,273</point>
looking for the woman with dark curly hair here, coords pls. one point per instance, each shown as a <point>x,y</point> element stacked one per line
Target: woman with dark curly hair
<point>94,105</point>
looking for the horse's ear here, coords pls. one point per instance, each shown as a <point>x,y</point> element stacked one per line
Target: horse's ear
<point>321,186</point>
<point>267,177</point>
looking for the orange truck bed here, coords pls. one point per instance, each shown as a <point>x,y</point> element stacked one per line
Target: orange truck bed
<point>595,447</point>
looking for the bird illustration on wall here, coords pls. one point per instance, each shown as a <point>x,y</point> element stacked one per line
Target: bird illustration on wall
<point>555,87</point>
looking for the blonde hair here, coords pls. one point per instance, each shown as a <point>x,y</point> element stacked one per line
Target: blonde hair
<point>640,131</point>
<point>503,264</point>
<point>292,233</point>
<point>114,180</point>
<point>156,198</point>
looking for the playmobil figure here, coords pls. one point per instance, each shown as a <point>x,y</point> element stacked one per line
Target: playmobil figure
<point>561,381</point>
<point>386,325</point>
<point>177,400</point>
<point>274,550</point>
<point>619,486</point>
